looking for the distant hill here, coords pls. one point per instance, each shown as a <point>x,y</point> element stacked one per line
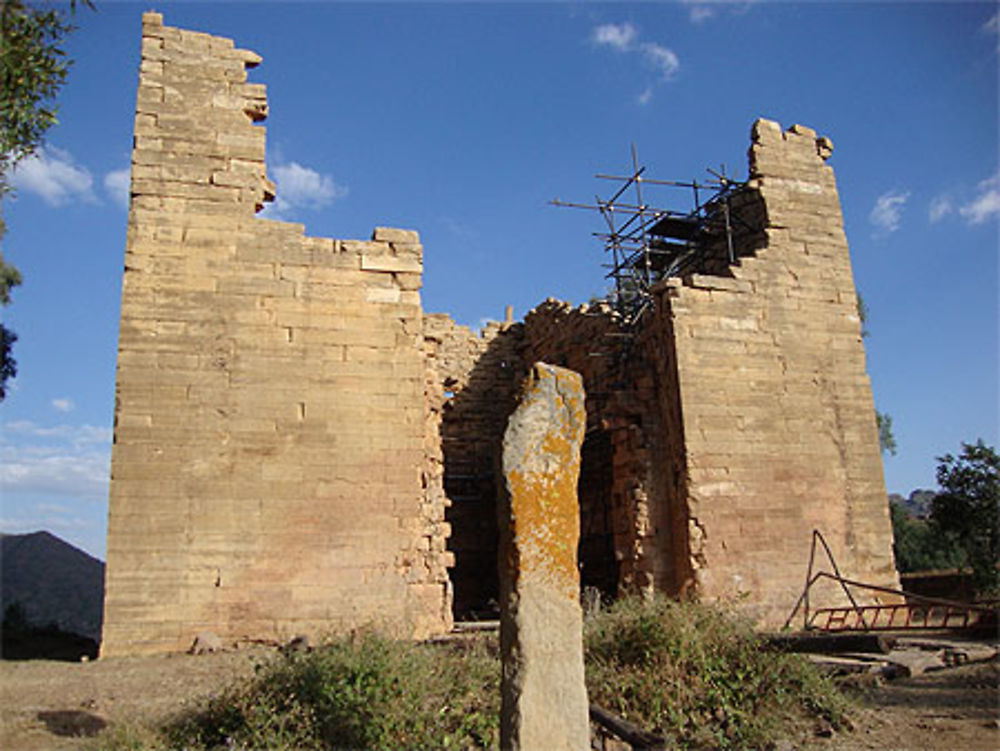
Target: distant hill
<point>54,582</point>
<point>918,505</point>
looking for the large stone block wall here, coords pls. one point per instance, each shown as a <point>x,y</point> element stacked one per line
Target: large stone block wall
<point>776,406</point>
<point>272,467</point>
<point>737,415</point>
<point>300,450</point>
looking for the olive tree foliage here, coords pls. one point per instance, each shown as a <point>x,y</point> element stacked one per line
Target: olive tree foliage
<point>967,510</point>
<point>33,67</point>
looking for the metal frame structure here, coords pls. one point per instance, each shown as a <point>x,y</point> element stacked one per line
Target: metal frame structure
<point>912,612</point>
<point>646,243</point>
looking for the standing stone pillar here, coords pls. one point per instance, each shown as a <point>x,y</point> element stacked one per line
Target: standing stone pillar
<point>544,698</point>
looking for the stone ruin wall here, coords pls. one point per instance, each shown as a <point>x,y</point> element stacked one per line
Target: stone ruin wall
<point>478,376</point>
<point>299,449</point>
<point>270,468</point>
<point>741,417</point>
<point>779,425</point>
<point>621,484</point>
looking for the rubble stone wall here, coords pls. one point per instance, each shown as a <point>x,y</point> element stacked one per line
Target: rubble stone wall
<point>272,467</point>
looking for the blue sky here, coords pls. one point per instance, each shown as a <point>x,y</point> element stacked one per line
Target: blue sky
<point>463,120</point>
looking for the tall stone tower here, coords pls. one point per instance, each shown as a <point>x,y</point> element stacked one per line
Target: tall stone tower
<point>269,469</point>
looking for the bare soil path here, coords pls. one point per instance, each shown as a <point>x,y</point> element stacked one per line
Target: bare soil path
<point>56,705</point>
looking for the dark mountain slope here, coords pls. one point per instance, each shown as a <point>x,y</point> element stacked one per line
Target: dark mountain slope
<point>54,583</point>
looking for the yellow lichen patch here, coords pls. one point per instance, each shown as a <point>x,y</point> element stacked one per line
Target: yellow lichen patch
<point>542,469</point>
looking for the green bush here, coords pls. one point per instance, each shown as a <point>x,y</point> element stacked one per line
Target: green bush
<point>699,675</point>
<point>691,672</point>
<point>368,693</point>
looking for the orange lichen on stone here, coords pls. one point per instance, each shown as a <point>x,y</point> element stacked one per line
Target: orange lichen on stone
<point>543,694</point>
<point>542,465</point>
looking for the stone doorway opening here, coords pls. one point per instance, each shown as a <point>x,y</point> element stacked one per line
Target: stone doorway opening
<point>596,551</point>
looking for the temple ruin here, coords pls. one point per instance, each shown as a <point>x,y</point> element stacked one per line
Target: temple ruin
<point>300,449</point>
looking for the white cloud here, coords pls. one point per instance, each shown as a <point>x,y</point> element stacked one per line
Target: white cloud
<point>992,25</point>
<point>661,59</point>
<point>63,405</point>
<point>619,37</point>
<point>700,11</point>
<point>50,517</point>
<point>55,176</point>
<point>986,204</point>
<point>118,183</point>
<point>887,213</point>
<point>75,524</point>
<point>65,460</point>
<point>77,435</point>
<point>300,187</point>
<point>623,38</point>
<point>940,208</point>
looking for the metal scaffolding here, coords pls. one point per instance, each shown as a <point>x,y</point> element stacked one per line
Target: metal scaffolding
<point>646,243</point>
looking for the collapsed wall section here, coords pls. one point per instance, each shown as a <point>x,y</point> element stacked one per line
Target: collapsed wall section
<point>779,425</point>
<point>272,466</point>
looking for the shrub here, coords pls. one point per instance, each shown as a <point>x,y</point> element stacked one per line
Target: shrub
<point>699,676</point>
<point>367,693</point>
<point>691,672</point>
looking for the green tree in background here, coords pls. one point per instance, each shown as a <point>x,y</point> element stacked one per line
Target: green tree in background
<point>33,67</point>
<point>886,439</point>
<point>966,512</point>
<point>919,547</point>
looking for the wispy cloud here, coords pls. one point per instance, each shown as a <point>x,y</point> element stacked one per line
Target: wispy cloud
<point>992,25</point>
<point>623,38</point>
<point>63,404</point>
<point>301,187</point>
<point>661,59</point>
<point>986,203</point>
<point>940,207</point>
<point>700,11</point>
<point>48,516</point>
<point>619,37</point>
<point>117,184</point>
<point>65,460</point>
<point>974,205</point>
<point>887,214</point>
<point>55,176</point>
<point>77,435</point>
<point>992,28</point>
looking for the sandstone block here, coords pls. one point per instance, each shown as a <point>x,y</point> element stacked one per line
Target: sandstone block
<point>391,263</point>
<point>395,235</point>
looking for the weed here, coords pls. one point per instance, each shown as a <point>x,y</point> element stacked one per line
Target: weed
<point>368,692</point>
<point>688,671</point>
<point>699,675</point>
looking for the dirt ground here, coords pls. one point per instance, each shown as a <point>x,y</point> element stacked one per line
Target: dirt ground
<point>58,705</point>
